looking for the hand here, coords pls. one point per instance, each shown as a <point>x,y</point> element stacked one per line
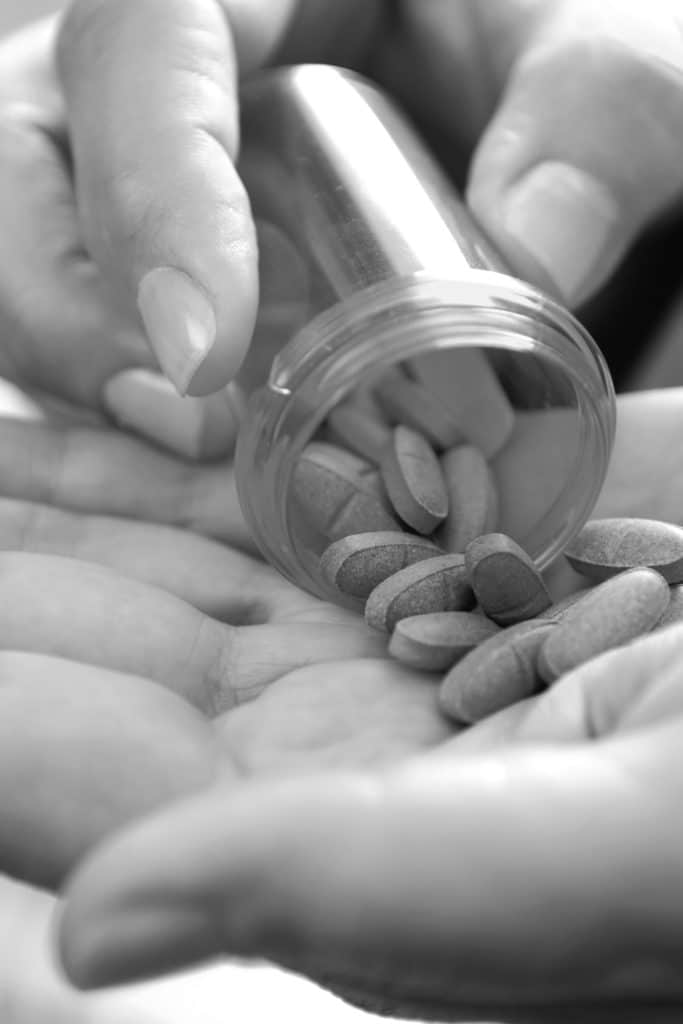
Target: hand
<point>120,207</point>
<point>528,868</point>
<point>121,659</point>
<point>510,864</point>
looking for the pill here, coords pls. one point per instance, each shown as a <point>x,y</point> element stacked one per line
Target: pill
<point>359,430</point>
<point>435,585</point>
<point>605,547</point>
<point>557,610</point>
<point>472,498</point>
<point>340,493</point>
<point>358,563</point>
<point>407,402</point>
<point>498,673</point>
<point>435,642</point>
<point>413,480</point>
<point>608,616</point>
<point>674,610</point>
<point>464,380</point>
<point>506,583</point>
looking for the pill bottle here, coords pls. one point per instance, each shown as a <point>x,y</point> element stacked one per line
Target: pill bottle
<point>371,265</point>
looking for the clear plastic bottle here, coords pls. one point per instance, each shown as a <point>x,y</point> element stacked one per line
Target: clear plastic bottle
<point>370,261</point>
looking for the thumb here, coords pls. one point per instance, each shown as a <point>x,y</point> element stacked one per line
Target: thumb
<point>151,92</point>
<point>528,877</point>
<point>587,145</point>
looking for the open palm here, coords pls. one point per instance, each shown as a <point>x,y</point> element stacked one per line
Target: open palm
<point>489,872</point>
<point>177,660</point>
<point>126,642</point>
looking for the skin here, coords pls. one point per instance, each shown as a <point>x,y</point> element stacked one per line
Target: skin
<point>111,201</point>
<point>187,627</point>
<point>75,324</point>
<point>373,723</point>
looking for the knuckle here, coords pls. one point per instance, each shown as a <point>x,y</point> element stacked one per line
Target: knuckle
<point>119,211</point>
<point>135,208</point>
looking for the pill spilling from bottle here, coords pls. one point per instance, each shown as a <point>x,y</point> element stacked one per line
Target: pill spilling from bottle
<point>407,505</point>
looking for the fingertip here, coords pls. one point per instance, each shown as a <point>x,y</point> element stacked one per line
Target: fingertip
<point>68,948</point>
<point>234,878</point>
<point>229,270</point>
<point>173,225</point>
<point>233,334</point>
<point>74,943</point>
<point>179,320</point>
<point>194,428</point>
<point>99,948</point>
<point>200,333</point>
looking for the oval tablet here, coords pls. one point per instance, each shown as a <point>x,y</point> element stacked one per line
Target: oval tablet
<point>413,480</point>
<point>507,584</point>
<point>435,585</point>
<point>339,493</point>
<point>435,642</point>
<point>472,498</point>
<point>608,616</point>
<point>605,547</point>
<point>358,563</point>
<point>498,673</point>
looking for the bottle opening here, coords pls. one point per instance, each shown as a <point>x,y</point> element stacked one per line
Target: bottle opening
<point>504,399</point>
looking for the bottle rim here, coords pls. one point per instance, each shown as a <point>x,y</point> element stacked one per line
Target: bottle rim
<point>388,324</point>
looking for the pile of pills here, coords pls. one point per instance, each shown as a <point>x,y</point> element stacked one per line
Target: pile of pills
<point>407,504</point>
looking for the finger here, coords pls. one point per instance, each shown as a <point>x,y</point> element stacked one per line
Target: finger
<point>136,628</point>
<point>527,877</point>
<point>214,579</point>
<point>151,94</point>
<point>585,148</point>
<point>55,309</point>
<point>36,989</point>
<point>63,331</point>
<point>145,403</point>
<point>83,751</point>
<point>103,471</point>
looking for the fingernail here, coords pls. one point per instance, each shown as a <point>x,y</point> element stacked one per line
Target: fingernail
<point>565,219</point>
<point>148,404</point>
<point>180,323</point>
<point>135,943</point>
